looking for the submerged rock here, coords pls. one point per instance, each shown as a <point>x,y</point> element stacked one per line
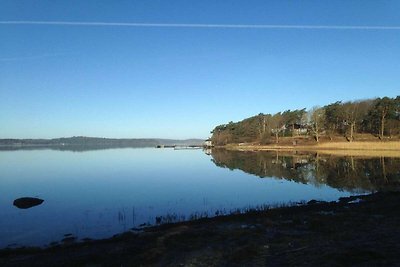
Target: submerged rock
<point>27,202</point>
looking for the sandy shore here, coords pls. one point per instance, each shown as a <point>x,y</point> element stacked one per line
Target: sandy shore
<point>372,149</point>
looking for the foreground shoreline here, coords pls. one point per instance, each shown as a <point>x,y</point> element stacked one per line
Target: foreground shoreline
<point>359,230</point>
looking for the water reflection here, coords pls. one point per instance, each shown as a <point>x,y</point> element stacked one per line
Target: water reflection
<point>99,193</point>
<point>354,174</point>
<point>72,148</point>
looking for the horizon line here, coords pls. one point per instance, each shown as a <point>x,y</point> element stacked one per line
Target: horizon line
<point>199,25</point>
<point>100,137</point>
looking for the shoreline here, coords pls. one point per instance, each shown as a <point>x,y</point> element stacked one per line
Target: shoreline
<point>354,230</point>
<point>356,148</point>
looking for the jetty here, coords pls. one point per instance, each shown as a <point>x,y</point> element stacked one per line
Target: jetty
<point>181,147</point>
<point>187,147</point>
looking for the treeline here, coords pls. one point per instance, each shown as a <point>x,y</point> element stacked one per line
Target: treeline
<point>97,141</point>
<point>380,117</point>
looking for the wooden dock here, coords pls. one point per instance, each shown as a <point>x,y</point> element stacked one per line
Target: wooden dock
<point>180,147</point>
<point>187,147</point>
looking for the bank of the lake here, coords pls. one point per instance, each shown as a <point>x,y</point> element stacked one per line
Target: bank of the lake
<point>355,231</point>
<point>356,148</point>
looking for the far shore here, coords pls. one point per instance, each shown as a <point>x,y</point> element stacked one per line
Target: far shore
<point>356,148</point>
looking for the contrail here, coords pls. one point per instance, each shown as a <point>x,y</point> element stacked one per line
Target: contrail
<point>186,25</point>
<point>22,58</point>
<point>33,57</point>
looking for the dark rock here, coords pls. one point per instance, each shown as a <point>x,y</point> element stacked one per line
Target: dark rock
<point>69,240</point>
<point>312,202</point>
<point>27,202</point>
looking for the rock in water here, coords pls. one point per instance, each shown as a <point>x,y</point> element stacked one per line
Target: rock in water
<point>27,202</point>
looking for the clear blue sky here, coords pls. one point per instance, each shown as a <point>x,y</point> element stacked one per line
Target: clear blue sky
<point>181,82</point>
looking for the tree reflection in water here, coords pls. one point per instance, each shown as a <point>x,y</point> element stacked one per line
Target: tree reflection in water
<point>351,173</point>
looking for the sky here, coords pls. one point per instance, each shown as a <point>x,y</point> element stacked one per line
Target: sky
<point>60,80</point>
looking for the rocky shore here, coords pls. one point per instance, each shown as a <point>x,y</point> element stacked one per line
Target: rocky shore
<point>354,231</point>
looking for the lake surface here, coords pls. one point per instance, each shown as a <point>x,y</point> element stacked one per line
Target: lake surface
<point>99,193</point>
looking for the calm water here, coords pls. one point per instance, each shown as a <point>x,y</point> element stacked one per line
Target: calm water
<point>96,194</point>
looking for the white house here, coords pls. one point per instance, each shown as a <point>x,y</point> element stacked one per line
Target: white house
<point>208,143</point>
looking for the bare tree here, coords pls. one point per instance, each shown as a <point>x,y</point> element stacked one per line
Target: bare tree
<point>316,119</point>
<point>384,108</point>
<point>277,123</point>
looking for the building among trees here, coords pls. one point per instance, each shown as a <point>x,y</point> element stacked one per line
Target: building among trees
<point>379,117</point>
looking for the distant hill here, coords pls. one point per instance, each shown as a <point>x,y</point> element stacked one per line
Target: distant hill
<point>82,141</point>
